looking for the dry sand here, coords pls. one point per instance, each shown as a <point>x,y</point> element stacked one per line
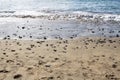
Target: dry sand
<point>76,59</point>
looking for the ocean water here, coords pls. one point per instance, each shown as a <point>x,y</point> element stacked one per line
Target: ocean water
<point>95,6</point>
<point>70,9</point>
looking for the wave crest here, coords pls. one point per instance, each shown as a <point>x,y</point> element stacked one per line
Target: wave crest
<point>53,15</point>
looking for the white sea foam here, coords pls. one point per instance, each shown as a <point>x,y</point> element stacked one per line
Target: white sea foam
<point>77,15</point>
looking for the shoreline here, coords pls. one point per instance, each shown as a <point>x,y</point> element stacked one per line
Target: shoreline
<point>63,50</point>
<point>59,39</point>
<point>16,28</point>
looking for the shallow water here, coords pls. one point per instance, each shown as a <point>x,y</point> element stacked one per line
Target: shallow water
<point>56,29</point>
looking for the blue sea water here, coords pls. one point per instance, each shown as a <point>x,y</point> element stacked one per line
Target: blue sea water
<point>95,6</point>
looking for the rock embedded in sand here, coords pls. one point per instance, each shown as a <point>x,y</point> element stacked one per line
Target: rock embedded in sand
<point>114,66</point>
<point>32,45</point>
<point>17,76</point>
<point>30,36</point>
<point>117,35</point>
<point>4,71</point>
<point>40,62</point>
<point>9,61</point>
<point>47,65</point>
<point>4,53</point>
<point>93,31</point>
<point>20,37</point>
<point>55,50</point>
<point>56,58</point>
<point>50,78</point>
<point>14,34</point>
<point>28,48</point>
<point>12,50</point>
<point>111,77</point>
<point>71,37</point>
<point>4,38</point>
<point>23,27</point>
<point>46,44</point>
<point>45,38</point>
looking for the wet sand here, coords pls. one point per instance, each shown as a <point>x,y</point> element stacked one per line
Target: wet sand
<point>71,59</point>
<point>29,29</point>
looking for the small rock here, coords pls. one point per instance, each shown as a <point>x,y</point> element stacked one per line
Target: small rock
<point>17,76</point>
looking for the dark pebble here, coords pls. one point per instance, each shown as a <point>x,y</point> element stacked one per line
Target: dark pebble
<point>117,35</point>
<point>47,65</point>
<point>45,38</point>
<point>49,78</point>
<point>17,76</point>
<point>55,50</point>
<point>28,48</point>
<point>4,71</point>
<point>114,66</point>
<point>23,27</point>
<point>20,37</point>
<point>12,50</point>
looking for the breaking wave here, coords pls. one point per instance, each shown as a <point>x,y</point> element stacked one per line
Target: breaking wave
<point>62,15</point>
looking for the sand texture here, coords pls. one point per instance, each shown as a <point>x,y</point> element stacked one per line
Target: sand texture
<point>77,59</point>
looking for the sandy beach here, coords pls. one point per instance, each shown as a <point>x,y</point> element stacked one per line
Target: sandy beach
<point>91,58</point>
<point>59,39</point>
<point>43,49</point>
